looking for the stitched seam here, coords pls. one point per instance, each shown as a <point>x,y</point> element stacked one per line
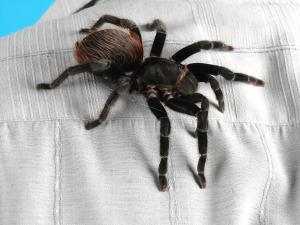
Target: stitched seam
<point>60,170</point>
<point>172,207</point>
<point>277,59</point>
<point>263,204</point>
<point>55,170</point>
<point>172,42</point>
<point>269,12</point>
<point>290,83</point>
<point>57,166</point>
<point>187,119</point>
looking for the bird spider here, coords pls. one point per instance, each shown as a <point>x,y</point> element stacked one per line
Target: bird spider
<point>118,55</point>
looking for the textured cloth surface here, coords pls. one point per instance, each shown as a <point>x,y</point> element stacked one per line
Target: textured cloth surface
<point>53,171</point>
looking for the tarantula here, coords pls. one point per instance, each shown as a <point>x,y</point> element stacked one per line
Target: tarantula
<point>118,55</point>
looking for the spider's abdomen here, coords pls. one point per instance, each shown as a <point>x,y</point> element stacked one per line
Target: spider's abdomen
<point>167,73</point>
<point>125,49</point>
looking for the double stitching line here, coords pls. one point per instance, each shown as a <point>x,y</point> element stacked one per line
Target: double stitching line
<point>263,205</point>
<point>57,166</point>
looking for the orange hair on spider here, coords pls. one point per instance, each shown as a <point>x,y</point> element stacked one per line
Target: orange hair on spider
<point>125,49</point>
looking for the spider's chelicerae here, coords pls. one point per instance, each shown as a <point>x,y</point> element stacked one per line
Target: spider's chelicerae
<point>118,54</point>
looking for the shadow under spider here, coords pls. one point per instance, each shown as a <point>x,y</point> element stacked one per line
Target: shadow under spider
<point>148,163</point>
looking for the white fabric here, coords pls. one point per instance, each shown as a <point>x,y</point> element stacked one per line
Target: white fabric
<point>53,171</point>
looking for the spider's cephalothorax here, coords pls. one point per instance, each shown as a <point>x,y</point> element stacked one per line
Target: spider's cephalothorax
<point>118,54</point>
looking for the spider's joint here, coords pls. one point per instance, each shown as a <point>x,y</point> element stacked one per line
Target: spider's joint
<point>170,97</point>
<point>234,76</point>
<point>151,92</point>
<point>161,174</point>
<point>167,96</point>
<point>210,77</point>
<point>128,73</point>
<point>163,135</point>
<point>152,95</point>
<point>127,23</point>
<point>171,59</point>
<point>201,111</point>
<point>202,130</point>
<point>161,31</point>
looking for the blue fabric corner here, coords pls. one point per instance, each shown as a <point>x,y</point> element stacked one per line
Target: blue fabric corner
<point>18,14</point>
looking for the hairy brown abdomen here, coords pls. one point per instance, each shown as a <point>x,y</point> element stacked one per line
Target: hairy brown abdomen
<point>125,49</point>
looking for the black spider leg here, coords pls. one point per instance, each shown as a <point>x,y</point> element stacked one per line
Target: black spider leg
<point>73,70</point>
<point>184,106</point>
<point>206,77</point>
<point>87,5</point>
<point>159,111</point>
<point>123,86</point>
<point>191,49</point>
<point>113,97</point>
<point>160,36</point>
<point>226,73</point>
<point>125,23</point>
<point>98,66</point>
<point>193,98</point>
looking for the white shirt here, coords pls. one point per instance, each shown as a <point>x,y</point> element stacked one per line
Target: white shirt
<point>53,171</point>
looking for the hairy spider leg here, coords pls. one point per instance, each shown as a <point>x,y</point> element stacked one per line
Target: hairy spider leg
<point>214,84</point>
<point>87,5</point>
<point>165,127</point>
<point>97,67</point>
<point>191,49</point>
<point>123,86</point>
<point>184,106</point>
<point>226,73</point>
<point>125,23</point>
<point>193,98</point>
<point>113,97</point>
<point>160,36</point>
<point>73,70</point>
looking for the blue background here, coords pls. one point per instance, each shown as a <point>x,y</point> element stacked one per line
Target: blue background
<point>17,14</point>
